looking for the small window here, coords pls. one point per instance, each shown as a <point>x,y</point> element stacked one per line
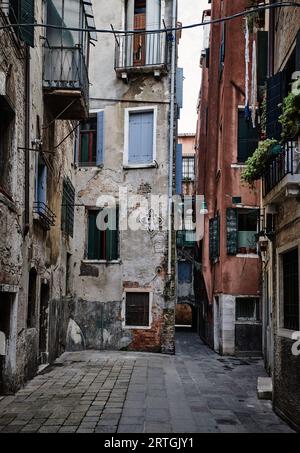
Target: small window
<point>137,309</point>
<point>247,309</point>
<point>41,183</point>
<point>247,137</point>
<point>88,143</point>
<point>140,139</point>
<point>247,230</point>
<point>242,227</point>
<point>188,168</point>
<point>103,244</point>
<point>4,160</point>
<point>290,269</point>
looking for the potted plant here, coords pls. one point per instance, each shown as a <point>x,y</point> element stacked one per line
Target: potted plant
<point>290,117</point>
<point>256,164</point>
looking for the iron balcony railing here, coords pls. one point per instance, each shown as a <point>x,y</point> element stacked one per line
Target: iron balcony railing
<point>65,68</point>
<point>46,216</point>
<point>279,166</point>
<point>138,50</point>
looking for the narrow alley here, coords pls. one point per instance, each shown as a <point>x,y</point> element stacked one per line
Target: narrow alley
<point>195,391</point>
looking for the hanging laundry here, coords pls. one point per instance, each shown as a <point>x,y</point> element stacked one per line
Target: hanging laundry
<point>254,85</point>
<point>247,60</point>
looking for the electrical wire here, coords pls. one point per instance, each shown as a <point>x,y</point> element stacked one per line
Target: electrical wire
<point>160,30</point>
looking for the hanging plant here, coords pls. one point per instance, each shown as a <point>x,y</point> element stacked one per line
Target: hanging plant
<point>256,164</point>
<point>290,118</point>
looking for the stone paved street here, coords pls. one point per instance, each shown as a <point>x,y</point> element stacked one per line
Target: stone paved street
<point>108,392</point>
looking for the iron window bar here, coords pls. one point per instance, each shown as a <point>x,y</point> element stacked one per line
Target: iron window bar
<point>278,167</point>
<point>46,216</point>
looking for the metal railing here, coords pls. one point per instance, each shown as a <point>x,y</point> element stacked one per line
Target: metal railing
<point>46,216</point>
<point>279,166</point>
<point>65,68</point>
<point>141,50</point>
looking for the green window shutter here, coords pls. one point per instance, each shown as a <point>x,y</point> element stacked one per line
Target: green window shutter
<point>214,238</point>
<point>27,17</point>
<point>112,241</point>
<point>94,236</point>
<point>211,229</point>
<point>247,137</point>
<point>262,57</point>
<point>232,231</point>
<point>217,236</point>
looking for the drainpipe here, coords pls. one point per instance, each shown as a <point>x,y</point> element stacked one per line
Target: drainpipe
<point>27,144</point>
<point>171,138</point>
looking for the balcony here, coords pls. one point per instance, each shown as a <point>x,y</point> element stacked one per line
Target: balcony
<point>141,53</point>
<point>65,82</point>
<point>43,214</point>
<point>282,176</point>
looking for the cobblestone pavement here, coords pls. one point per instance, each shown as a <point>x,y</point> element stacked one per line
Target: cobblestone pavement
<point>109,392</point>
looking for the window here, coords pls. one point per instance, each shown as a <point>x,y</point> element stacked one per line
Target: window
<point>247,309</point>
<point>103,244</point>
<point>188,168</point>
<point>6,116</point>
<point>214,238</point>
<point>247,137</point>
<point>67,207</point>
<point>91,141</point>
<point>22,12</point>
<point>140,138</point>
<point>290,270</point>
<point>242,227</point>
<point>137,309</point>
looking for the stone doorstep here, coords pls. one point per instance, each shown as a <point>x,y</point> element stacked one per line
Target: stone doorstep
<point>264,388</point>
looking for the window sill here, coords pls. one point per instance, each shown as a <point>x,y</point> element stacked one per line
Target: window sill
<point>89,167</point>
<point>238,165</point>
<point>137,166</point>
<point>136,327</point>
<point>7,201</point>
<point>102,261</point>
<point>286,333</point>
<point>249,322</point>
<point>247,255</point>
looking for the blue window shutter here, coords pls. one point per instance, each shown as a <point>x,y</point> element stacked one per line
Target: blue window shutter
<point>179,87</point>
<point>36,178</point>
<point>100,138</point>
<point>179,170</point>
<point>140,149</point>
<point>42,184</point>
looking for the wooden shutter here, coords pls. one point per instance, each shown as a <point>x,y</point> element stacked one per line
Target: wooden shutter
<point>179,170</point>
<point>94,236</point>
<point>100,139</point>
<point>232,231</point>
<point>137,309</point>
<point>153,40</point>
<point>262,57</point>
<point>112,241</point>
<point>140,138</point>
<point>179,87</point>
<point>247,137</point>
<point>214,238</point>
<point>275,94</point>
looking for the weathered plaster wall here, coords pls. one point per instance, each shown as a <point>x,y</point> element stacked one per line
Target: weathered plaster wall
<point>98,290</point>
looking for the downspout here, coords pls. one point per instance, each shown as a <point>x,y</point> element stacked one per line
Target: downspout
<point>27,144</point>
<point>171,137</point>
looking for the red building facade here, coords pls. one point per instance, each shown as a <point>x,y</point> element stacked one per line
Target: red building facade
<point>229,280</point>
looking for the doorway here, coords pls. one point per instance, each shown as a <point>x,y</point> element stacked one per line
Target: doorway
<point>5,333</point>
<point>43,324</point>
